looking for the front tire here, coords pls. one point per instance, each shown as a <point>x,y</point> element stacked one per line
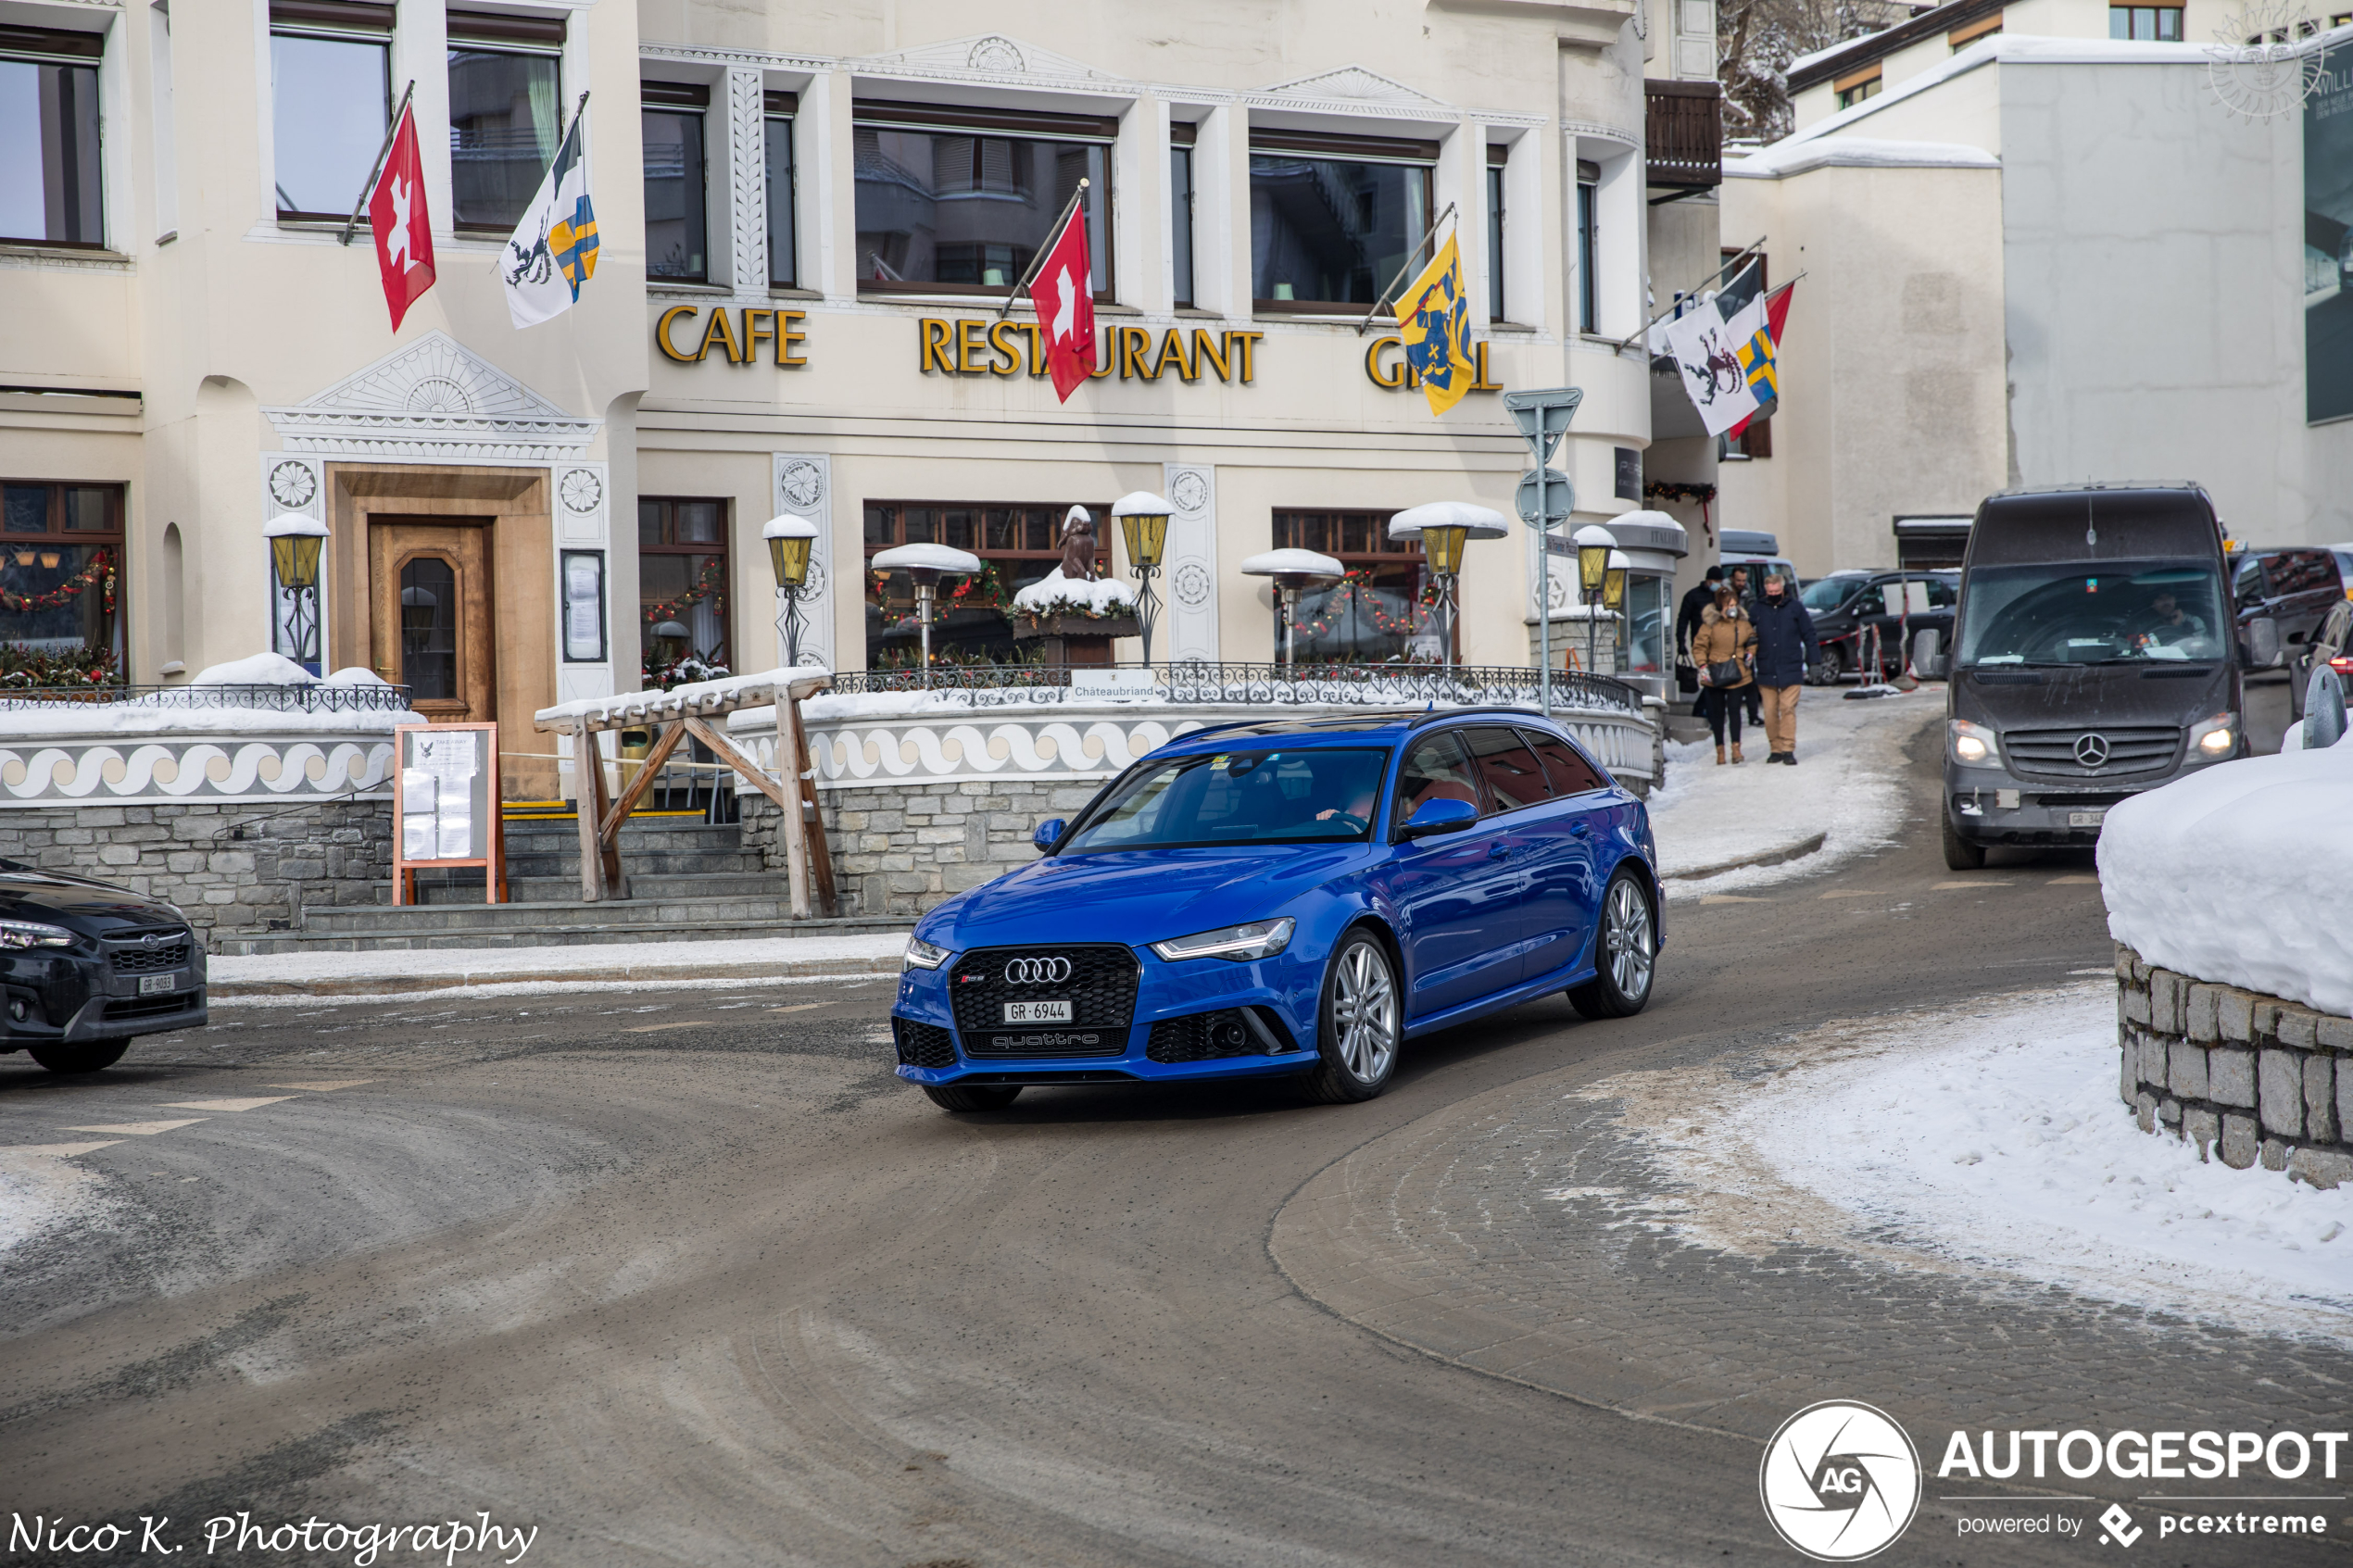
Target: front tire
<point>972,1097</point>
<point>95,1057</point>
<point>1625,953</point>
<point>1359,1023</point>
<point>1961,854</point>
<point>1828,671</point>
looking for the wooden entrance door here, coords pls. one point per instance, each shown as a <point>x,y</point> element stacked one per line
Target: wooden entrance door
<point>430,614</point>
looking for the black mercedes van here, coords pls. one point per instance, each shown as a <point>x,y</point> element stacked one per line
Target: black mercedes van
<point>2094,656</point>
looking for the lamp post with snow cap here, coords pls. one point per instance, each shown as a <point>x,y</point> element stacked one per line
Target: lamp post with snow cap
<point>790,540</point>
<point>294,544</point>
<point>1143,525</point>
<point>925,565</point>
<point>1444,527</point>
<point>1293,571</point>
<point>1595,545</point>
<point>1613,600</point>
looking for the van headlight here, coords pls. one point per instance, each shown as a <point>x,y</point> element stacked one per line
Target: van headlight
<point>921,954</point>
<point>2213,739</point>
<point>1257,939</point>
<point>1973,745</point>
<point>33,934</point>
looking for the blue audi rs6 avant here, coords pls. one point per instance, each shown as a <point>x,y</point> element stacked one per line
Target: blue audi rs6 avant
<point>1297,897</point>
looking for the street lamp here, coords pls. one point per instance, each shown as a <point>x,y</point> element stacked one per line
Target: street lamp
<point>1614,598</point>
<point>1595,545</point>
<point>294,544</point>
<point>789,540</point>
<point>1293,571</point>
<point>1444,527</point>
<point>927,564</point>
<point>1143,522</point>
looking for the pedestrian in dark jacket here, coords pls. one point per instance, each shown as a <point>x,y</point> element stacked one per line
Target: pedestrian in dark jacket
<point>1695,604</point>
<point>1784,642</point>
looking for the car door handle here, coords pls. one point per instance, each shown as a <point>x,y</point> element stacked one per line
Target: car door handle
<point>1498,852</point>
<point>1582,830</point>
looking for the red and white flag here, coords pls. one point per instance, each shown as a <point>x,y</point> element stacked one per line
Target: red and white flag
<point>396,212</point>
<point>1065,299</point>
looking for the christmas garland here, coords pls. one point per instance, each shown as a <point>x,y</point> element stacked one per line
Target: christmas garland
<point>1353,585</point>
<point>100,570</point>
<point>21,666</point>
<point>1674,490</point>
<point>712,581</point>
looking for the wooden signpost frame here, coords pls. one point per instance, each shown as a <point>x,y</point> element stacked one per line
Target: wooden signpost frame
<point>494,829</point>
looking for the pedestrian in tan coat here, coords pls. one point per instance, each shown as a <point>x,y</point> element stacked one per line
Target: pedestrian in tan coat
<point>1726,636</point>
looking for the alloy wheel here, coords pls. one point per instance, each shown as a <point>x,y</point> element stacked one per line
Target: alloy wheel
<point>1625,933</point>
<point>1364,1013</point>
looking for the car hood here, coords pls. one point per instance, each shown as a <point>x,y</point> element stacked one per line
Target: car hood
<point>81,904</point>
<point>1135,896</point>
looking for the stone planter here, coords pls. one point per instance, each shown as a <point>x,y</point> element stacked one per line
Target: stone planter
<point>1076,639</point>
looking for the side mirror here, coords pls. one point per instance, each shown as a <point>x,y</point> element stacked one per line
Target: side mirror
<point>2260,642</point>
<point>1049,833</point>
<point>1929,657</point>
<point>2325,718</point>
<point>1440,816</point>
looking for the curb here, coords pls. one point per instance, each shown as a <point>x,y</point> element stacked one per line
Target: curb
<point>391,984</point>
<point>1787,852</point>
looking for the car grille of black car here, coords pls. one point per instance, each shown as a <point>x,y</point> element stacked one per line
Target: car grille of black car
<point>1207,1036</point>
<point>920,1044</point>
<point>1101,988</point>
<point>2131,748</point>
<point>142,959</point>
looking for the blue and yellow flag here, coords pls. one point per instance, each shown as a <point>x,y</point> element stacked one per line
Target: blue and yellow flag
<point>553,250</point>
<point>1433,323</point>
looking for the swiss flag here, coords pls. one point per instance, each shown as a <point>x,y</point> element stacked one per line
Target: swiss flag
<point>396,212</point>
<point>1065,303</point>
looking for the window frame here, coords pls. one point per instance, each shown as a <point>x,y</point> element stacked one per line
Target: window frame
<point>2157,23</point>
<point>1588,225</point>
<point>998,123</point>
<point>782,108</point>
<point>723,547</point>
<point>1051,555</point>
<point>1451,735</point>
<point>1498,184</point>
<point>1329,147</point>
<point>687,100</point>
<point>483,33</point>
<point>117,539</point>
<point>1183,226</point>
<point>37,46</point>
<point>1407,551</point>
<point>1503,804</point>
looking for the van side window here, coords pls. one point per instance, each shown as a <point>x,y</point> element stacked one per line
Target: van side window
<point>1434,769</point>
<point>2248,585</point>
<point>1515,780</point>
<point>1571,773</point>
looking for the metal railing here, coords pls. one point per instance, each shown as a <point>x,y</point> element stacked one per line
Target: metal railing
<point>318,698</point>
<point>1337,685</point>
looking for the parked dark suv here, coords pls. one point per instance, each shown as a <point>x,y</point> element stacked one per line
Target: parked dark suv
<point>1845,604</point>
<point>2292,588</point>
<point>86,966</point>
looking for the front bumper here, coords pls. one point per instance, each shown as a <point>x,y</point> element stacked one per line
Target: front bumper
<point>71,997</point>
<point>1991,806</point>
<point>1257,1018</point>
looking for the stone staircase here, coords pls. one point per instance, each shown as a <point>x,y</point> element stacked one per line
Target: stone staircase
<point>689,881</point>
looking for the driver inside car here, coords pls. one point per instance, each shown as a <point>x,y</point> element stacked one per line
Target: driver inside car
<point>2169,624</point>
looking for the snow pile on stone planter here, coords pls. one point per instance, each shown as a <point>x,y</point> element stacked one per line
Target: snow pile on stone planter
<point>1055,595</point>
<point>2242,874</point>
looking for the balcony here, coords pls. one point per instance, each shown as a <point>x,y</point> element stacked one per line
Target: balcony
<point>1683,135</point>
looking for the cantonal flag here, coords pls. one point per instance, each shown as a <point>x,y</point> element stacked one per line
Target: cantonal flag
<point>396,213</point>
<point>1063,297</point>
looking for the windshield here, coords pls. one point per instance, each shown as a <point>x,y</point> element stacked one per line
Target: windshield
<point>2093,614</point>
<point>1311,796</point>
<point>1828,593</point>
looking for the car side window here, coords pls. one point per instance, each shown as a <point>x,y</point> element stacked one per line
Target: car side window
<point>1939,594</point>
<point>1434,769</point>
<point>2249,584</point>
<point>1569,772</point>
<point>1515,780</point>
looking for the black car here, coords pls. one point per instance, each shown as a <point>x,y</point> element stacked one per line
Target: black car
<point>1846,604</point>
<point>2294,589</point>
<point>87,966</point>
<point>2332,644</point>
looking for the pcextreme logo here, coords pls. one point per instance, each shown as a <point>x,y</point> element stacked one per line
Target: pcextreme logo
<point>1841,1481</point>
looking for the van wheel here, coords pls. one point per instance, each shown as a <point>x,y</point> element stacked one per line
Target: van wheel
<point>972,1097</point>
<point>95,1058</point>
<point>1625,954</point>
<point>1961,854</point>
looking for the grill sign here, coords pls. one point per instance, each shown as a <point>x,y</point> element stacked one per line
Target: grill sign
<point>1037,972</point>
<point>2092,750</point>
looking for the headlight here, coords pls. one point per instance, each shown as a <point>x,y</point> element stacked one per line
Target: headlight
<point>1973,745</point>
<point>2212,739</point>
<point>1258,940</point>
<point>31,934</point>
<point>921,955</point>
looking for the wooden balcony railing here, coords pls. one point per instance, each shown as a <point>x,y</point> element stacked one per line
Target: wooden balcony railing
<point>1683,127</point>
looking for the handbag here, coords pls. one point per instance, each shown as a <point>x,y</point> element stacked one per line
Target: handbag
<point>1686,678</point>
<point>1723,672</point>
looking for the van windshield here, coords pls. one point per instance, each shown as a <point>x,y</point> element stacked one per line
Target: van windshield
<point>1313,795</point>
<point>2090,612</point>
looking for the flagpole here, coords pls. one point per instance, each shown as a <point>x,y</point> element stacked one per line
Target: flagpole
<point>1692,294</point>
<point>378,166</point>
<point>1410,257</point>
<point>1053,237</point>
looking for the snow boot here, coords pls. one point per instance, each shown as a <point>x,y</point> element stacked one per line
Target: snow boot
<point>1736,751</point>
<point>1720,756</point>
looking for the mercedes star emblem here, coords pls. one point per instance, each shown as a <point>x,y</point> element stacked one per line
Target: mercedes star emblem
<point>1036,971</point>
<point>2091,750</point>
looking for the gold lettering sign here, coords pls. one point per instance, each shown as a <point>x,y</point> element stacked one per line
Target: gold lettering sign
<point>1010,348</point>
<point>1395,374</point>
<point>738,339</point>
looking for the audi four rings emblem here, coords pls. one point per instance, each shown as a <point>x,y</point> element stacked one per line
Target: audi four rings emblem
<point>2092,750</point>
<point>1036,971</point>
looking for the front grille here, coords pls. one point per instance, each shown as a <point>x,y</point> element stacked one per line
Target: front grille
<point>149,1007</point>
<point>139,960</point>
<point>920,1044</point>
<point>2131,748</point>
<point>1206,1036</point>
<point>1101,988</point>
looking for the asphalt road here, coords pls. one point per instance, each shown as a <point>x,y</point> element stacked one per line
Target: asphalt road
<point>691,1278</point>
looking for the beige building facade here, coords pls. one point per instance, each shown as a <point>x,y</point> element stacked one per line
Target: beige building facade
<point>807,218</point>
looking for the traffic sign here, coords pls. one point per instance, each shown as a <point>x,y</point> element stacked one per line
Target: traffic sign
<point>1542,416</point>
<point>1545,499</point>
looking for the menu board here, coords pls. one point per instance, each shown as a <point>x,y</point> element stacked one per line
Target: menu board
<point>445,794</point>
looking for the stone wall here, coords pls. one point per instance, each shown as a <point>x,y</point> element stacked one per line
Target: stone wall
<point>903,848</point>
<point>230,866</point>
<point>2246,1075</point>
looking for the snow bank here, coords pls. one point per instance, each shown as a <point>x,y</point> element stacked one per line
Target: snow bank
<point>1054,594</point>
<point>261,670</point>
<point>697,698</point>
<point>1994,1145</point>
<point>2239,872</point>
<point>88,721</point>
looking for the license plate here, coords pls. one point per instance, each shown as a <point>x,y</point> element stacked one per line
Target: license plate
<point>1037,1012</point>
<point>150,983</point>
<point>2086,819</point>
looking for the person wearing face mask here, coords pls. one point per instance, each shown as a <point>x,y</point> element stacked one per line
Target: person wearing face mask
<point>1784,637</point>
<point>1741,586</point>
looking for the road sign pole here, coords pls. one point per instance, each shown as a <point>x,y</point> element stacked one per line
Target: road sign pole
<point>1542,416</point>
